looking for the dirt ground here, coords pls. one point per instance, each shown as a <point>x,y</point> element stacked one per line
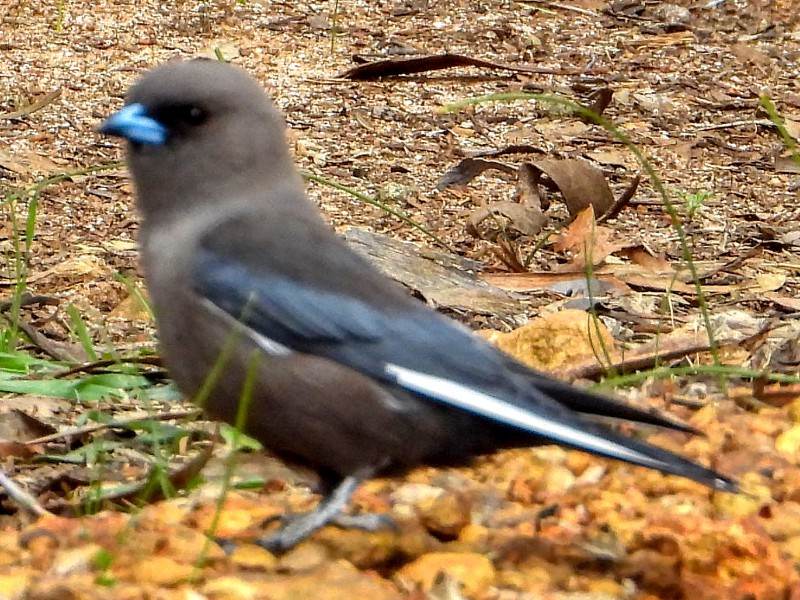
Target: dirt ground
<point>686,80</point>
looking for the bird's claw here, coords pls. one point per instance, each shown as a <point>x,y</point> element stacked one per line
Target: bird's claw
<point>296,527</point>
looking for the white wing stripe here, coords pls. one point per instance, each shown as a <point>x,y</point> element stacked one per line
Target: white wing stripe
<point>269,346</point>
<point>479,403</point>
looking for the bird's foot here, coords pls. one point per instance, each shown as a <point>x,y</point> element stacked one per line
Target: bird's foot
<point>297,527</point>
<point>365,522</point>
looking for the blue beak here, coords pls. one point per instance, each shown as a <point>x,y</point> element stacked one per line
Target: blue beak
<point>135,125</point>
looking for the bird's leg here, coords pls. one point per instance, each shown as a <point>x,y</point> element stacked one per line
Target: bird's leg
<point>299,526</point>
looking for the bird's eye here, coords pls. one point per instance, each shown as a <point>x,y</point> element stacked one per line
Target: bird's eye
<point>194,115</point>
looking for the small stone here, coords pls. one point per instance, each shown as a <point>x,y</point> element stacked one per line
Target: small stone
<point>75,560</point>
<point>788,444</point>
<point>163,571</point>
<point>444,515</point>
<point>305,557</point>
<point>794,411</point>
<point>396,193</point>
<point>254,558</point>
<point>558,339</point>
<point>337,580</point>
<point>792,548</point>
<point>230,588</point>
<point>557,479</point>
<point>783,521</point>
<point>592,475</point>
<point>605,588</point>
<point>473,571</point>
<point>16,584</point>
<point>474,535</point>
<point>741,505</point>
<point>409,496</point>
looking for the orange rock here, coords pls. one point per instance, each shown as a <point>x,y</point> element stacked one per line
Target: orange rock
<point>445,515</point>
<point>556,340</point>
<point>75,560</point>
<point>15,584</point>
<point>252,557</point>
<point>334,581</point>
<point>473,571</point>
<point>163,571</point>
<point>230,588</point>
<point>740,505</point>
<point>788,444</point>
<point>302,558</point>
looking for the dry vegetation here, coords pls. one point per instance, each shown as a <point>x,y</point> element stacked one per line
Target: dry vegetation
<point>686,80</point>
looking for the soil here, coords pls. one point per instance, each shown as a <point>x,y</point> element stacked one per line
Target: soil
<point>688,81</point>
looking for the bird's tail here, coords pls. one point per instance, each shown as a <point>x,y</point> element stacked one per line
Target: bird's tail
<point>534,411</point>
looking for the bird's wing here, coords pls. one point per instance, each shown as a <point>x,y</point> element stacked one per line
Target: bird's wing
<point>591,403</point>
<point>401,343</point>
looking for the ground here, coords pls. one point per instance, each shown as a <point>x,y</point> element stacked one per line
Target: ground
<point>688,82</point>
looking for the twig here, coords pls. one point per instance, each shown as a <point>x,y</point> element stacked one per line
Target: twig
<point>75,431</point>
<point>762,122</point>
<point>48,346</point>
<point>558,5</point>
<point>154,361</point>
<point>21,497</point>
<point>28,299</point>
<point>140,490</point>
<point>592,369</point>
<point>33,106</point>
<point>621,202</point>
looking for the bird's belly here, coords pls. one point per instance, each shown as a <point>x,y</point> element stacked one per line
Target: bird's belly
<point>305,408</point>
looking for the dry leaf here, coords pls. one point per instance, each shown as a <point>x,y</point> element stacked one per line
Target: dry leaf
<point>792,127</point>
<point>33,106</point>
<point>609,157</point>
<point>467,170</point>
<point>787,164</point>
<point>78,266</point>
<point>556,282</point>
<point>27,163</point>
<point>228,50</point>
<point>510,219</point>
<point>639,255</point>
<point>586,239</point>
<point>580,183</point>
<point>770,282</point>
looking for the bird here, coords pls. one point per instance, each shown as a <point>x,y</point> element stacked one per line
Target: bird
<point>258,302</point>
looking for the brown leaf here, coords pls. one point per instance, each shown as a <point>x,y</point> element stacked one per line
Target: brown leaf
<point>787,164</point>
<point>655,263</point>
<point>9,449</point>
<point>589,242</point>
<point>467,170</point>
<point>747,53</point>
<point>787,303</point>
<point>527,188</point>
<point>580,184</point>
<point>512,149</point>
<point>614,158</point>
<point>33,106</point>
<point>27,163</point>
<point>560,283</point>
<point>509,218</point>
<point>18,426</point>
<point>600,100</point>
<point>792,127</point>
<point>422,64</point>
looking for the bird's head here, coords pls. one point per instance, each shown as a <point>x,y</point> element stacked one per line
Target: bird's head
<point>199,131</point>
